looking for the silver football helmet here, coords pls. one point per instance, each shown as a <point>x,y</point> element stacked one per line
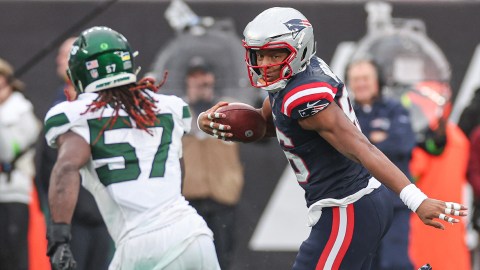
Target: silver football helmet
<point>278,28</point>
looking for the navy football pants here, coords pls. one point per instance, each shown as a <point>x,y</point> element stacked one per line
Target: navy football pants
<point>347,237</point>
<point>392,253</point>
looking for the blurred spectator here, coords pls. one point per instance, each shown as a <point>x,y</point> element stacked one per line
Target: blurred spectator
<point>45,156</point>
<point>19,129</point>
<point>474,171</point>
<point>439,166</point>
<point>386,123</point>
<point>215,39</point>
<point>473,177</point>
<point>470,116</point>
<point>213,172</point>
<point>469,122</point>
<point>91,244</point>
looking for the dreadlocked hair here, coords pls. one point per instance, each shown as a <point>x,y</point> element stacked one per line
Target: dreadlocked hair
<point>133,99</point>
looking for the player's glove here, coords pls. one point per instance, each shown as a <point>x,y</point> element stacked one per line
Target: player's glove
<point>61,257</point>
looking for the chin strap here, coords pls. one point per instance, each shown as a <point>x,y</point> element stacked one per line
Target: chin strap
<point>280,85</point>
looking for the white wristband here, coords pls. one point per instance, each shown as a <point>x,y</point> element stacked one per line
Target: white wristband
<point>412,197</point>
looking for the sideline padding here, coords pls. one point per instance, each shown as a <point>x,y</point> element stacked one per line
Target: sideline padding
<point>37,240</point>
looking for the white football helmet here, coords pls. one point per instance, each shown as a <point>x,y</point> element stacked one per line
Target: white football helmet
<point>278,28</point>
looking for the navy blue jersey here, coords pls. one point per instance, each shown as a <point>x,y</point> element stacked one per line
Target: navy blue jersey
<point>321,170</point>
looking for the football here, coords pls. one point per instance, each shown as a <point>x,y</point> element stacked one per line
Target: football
<point>247,124</point>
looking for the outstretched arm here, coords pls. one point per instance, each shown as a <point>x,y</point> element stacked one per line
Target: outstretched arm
<point>334,126</point>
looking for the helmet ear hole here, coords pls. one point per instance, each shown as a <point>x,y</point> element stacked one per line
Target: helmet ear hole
<point>72,80</point>
<point>253,60</point>
<point>80,86</point>
<point>304,54</point>
<point>286,71</point>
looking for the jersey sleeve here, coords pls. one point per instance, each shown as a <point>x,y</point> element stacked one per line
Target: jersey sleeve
<point>56,123</point>
<point>181,110</point>
<point>308,99</point>
<point>182,117</point>
<point>186,117</point>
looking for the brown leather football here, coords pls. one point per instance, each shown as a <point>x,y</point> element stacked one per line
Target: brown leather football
<point>247,124</point>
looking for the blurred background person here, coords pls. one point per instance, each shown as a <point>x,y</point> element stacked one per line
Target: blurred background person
<point>213,171</point>
<point>416,72</point>
<point>439,167</point>
<point>45,156</point>
<point>91,244</point>
<point>470,117</point>
<point>214,39</point>
<point>473,177</point>
<point>19,130</point>
<point>386,123</point>
<point>204,60</point>
<point>469,122</point>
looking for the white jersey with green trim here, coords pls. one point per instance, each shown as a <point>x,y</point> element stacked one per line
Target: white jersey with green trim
<point>134,176</point>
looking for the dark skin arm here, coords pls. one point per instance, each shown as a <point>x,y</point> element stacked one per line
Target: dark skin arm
<point>73,153</point>
<point>335,127</point>
<point>182,168</point>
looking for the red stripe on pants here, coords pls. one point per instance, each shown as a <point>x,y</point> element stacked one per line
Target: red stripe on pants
<point>331,240</point>
<point>348,237</point>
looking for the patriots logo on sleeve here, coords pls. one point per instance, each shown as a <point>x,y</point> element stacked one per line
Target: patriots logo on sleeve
<point>308,99</point>
<point>297,25</point>
<point>313,108</point>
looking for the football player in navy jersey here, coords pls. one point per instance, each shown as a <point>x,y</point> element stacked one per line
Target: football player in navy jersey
<point>342,173</point>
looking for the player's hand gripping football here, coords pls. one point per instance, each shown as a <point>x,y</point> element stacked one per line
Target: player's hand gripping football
<point>206,122</point>
<point>432,209</point>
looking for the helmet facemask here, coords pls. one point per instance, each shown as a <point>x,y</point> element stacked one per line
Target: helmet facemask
<point>256,72</point>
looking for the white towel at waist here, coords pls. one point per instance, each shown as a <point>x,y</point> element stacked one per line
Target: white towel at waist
<point>315,210</point>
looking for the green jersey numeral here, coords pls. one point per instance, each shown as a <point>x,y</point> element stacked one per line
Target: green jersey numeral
<point>131,170</point>
<point>158,165</point>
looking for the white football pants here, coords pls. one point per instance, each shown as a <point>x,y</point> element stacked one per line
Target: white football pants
<point>184,245</point>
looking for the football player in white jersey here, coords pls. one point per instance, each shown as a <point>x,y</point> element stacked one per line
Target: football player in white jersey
<point>122,141</point>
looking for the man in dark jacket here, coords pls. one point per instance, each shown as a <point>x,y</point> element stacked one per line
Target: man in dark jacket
<point>386,123</point>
